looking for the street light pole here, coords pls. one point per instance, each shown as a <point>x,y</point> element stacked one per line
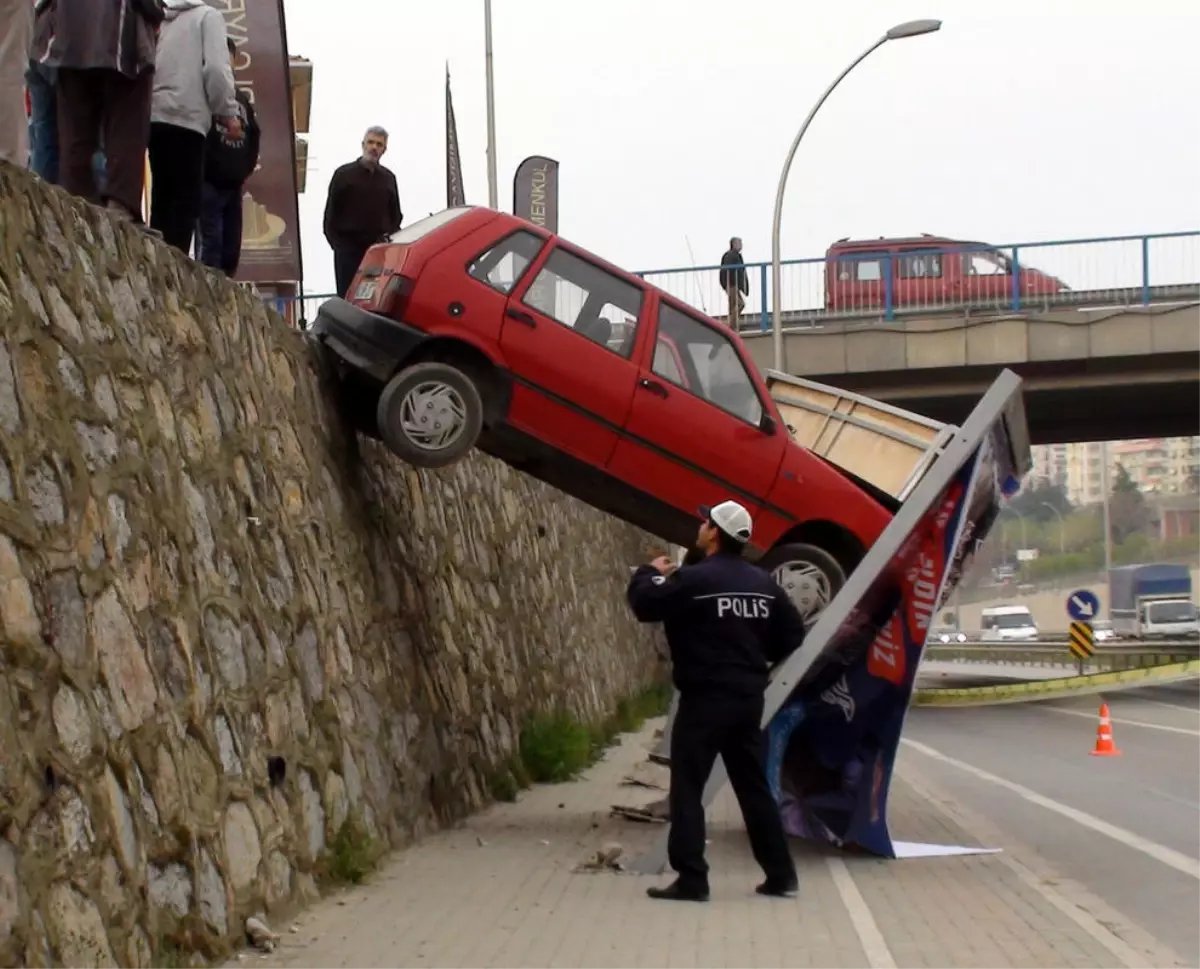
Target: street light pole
<point>1062,528</point>
<point>1104,488</point>
<point>493,189</point>
<point>912,28</point>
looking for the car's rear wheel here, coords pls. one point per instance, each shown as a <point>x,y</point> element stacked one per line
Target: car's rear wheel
<point>430,414</point>
<point>809,575</point>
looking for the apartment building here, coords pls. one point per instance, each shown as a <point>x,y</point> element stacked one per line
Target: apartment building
<point>1165,466</point>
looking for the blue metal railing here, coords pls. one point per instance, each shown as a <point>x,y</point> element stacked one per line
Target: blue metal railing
<point>883,283</point>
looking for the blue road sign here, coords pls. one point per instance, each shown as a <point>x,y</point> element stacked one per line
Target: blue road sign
<point>1083,605</point>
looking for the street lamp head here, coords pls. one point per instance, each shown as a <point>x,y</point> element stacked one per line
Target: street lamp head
<point>913,28</point>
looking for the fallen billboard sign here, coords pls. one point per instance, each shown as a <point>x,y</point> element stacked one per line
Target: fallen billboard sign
<point>835,709</point>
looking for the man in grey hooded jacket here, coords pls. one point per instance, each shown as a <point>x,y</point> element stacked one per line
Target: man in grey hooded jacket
<point>193,85</point>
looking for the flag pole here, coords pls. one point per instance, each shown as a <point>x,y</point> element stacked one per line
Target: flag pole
<point>493,190</point>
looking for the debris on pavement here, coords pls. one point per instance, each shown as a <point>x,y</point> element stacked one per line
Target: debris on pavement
<point>260,935</point>
<point>606,859</point>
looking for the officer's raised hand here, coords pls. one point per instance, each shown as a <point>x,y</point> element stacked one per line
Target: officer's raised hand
<point>664,565</point>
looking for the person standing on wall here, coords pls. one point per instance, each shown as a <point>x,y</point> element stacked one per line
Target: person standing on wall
<point>193,84</point>
<point>16,33</point>
<point>228,162</point>
<point>103,55</point>
<point>363,208</point>
<point>725,621</point>
<point>733,280</point>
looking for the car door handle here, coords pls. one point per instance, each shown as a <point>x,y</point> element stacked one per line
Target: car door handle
<point>653,386</point>
<point>520,316</point>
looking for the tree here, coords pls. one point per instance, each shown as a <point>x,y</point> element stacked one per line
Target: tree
<point>1039,501</point>
<point>1128,509</point>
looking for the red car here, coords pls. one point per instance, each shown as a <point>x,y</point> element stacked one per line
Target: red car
<point>926,272</point>
<point>473,328</point>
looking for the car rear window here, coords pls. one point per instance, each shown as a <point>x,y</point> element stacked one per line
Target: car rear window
<point>422,228</point>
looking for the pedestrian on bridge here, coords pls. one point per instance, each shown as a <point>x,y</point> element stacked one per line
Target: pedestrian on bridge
<point>725,621</point>
<point>732,278</point>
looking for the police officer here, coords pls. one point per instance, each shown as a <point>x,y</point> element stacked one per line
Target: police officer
<point>725,621</point>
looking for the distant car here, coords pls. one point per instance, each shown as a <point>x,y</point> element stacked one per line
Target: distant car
<point>1008,624</point>
<point>474,328</point>
<point>1103,630</point>
<point>946,634</point>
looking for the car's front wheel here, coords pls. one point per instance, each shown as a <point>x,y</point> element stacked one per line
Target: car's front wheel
<point>430,414</point>
<point>809,575</point>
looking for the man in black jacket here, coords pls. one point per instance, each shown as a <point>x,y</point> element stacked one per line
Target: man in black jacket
<point>733,280</point>
<point>726,622</point>
<point>363,208</point>
<point>229,159</point>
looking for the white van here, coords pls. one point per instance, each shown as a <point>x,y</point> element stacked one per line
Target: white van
<point>1008,624</point>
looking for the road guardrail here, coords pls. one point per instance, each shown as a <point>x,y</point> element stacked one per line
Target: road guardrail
<point>1124,656</point>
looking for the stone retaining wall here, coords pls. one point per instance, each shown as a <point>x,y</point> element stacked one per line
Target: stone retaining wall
<point>225,623</point>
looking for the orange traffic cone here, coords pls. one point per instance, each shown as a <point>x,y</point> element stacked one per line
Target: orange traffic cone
<point>1104,736</point>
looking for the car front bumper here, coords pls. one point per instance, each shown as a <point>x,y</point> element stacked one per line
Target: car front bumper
<point>371,344</point>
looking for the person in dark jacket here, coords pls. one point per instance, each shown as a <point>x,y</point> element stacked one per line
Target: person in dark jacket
<point>733,280</point>
<point>726,622</point>
<point>228,161</point>
<point>104,53</point>
<point>363,208</point>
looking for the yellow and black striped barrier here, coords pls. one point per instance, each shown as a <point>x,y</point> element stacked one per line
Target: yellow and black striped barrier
<point>1059,686</point>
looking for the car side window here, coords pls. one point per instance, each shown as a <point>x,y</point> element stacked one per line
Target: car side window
<point>921,265</point>
<point>501,265</point>
<point>864,267</point>
<point>717,373</point>
<point>593,302</point>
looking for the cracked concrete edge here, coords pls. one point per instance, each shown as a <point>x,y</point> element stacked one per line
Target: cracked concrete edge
<point>1125,939</point>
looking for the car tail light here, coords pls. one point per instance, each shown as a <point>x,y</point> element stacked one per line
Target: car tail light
<point>393,296</point>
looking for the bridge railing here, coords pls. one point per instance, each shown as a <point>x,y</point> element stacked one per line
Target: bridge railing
<point>1110,271</point>
<point>1117,271</point>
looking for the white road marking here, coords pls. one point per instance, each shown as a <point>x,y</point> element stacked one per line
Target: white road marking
<point>1088,912</point>
<point>1123,721</point>
<point>879,956</point>
<point>1163,703</point>
<point>1168,856</point>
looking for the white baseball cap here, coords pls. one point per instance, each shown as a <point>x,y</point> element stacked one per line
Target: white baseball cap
<point>731,518</point>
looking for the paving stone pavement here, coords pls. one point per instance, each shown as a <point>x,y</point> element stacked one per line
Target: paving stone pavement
<point>500,891</point>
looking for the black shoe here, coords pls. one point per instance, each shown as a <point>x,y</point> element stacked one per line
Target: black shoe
<point>677,892</point>
<point>779,889</point>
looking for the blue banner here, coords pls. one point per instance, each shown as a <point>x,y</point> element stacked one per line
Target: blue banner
<point>832,745</point>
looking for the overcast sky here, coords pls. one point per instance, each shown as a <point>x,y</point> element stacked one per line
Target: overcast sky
<point>1019,121</point>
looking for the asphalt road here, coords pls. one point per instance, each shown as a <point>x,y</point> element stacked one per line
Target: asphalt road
<point>1122,826</point>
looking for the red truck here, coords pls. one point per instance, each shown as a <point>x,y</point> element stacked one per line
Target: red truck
<point>473,328</point>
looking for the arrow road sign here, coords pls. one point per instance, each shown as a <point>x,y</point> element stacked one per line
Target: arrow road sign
<point>1083,605</point>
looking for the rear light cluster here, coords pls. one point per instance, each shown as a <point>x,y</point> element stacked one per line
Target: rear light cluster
<point>383,294</point>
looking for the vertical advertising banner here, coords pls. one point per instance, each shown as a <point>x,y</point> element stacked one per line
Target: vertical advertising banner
<point>455,193</point>
<point>270,207</point>
<point>535,199</point>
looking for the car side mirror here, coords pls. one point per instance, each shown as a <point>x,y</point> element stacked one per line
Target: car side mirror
<point>767,424</point>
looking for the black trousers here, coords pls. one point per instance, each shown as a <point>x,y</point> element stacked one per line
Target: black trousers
<point>346,260</point>
<point>95,102</point>
<point>176,183</point>
<point>221,228</point>
<point>704,727</point>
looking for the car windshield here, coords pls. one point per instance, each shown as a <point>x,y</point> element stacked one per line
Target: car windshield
<point>1172,611</point>
<point>1013,620</point>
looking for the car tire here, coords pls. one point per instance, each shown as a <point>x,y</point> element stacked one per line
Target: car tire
<point>435,394</point>
<point>810,576</point>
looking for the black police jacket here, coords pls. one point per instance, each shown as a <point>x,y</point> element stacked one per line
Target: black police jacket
<point>726,621</point>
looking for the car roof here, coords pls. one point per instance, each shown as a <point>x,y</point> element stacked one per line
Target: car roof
<point>923,241</point>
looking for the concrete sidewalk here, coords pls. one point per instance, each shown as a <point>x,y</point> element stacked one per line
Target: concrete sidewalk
<point>500,891</point>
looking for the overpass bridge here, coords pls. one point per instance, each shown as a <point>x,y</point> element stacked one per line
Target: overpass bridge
<point>1115,355</point>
